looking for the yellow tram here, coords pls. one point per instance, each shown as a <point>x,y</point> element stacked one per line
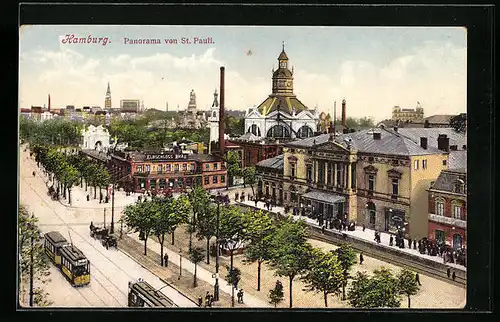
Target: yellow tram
<point>69,259</point>
<point>54,241</point>
<point>142,294</point>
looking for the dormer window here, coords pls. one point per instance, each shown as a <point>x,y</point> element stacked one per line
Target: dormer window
<point>459,186</point>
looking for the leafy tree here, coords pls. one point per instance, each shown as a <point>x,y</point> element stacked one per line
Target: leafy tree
<point>168,214</point>
<point>325,274</point>
<point>347,258</point>
<point>407,284</point>
<point>290,252</point>
<point>276,294</point>
<point>232,229</point>
<point>234,126</point>
<point>260,230</point>
<point>141,217</point>
<point>183,209</point>
<point>70,178</point>
<point>196,256</point>
<point>249,177</point>
<point>233,165</point>
<point>199,198</point>
<point>459,123</point>
<point>233,278</point>
<point>379,291</point>
<point>207,226</point>
<point>28,231</point>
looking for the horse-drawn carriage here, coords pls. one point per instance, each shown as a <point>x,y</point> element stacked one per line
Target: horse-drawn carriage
<point>102,233</point>
<point>53,193</point>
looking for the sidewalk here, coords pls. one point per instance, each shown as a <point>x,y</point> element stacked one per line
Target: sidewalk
<point>367,235</point>
<point>202,274</point>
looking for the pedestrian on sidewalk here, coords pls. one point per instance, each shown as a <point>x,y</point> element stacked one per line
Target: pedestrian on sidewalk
<point>409,242</point>
<point>240,296</point>
<point>323,229</point>
<point>364,227</point>
<point>165,259</point>
<point>417,279</point>
<point>414,244</point>
<point>453,275</point>
<point>200,301</point>
<point>88,198</point>
<point>255,203</point>
<point>448,272</point>
<point>361,259</point>
<point>207,299</point>
<point>391,241</point>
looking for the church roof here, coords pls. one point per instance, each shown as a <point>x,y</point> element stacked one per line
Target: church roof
<point>283,55</point>
<point>286,104</point>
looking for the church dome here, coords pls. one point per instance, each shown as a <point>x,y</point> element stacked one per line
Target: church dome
<point>282,72</point>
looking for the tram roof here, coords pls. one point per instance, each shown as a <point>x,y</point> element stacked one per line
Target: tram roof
<point>156,297</point>
<point>55,237</point>
<point>72,253</point>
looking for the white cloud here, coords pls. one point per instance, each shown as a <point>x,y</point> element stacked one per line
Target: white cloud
<point>433,74</point>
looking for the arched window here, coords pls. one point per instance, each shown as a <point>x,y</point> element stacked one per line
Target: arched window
<point>254,129</point>
<point>214,114</point>
<point>440,206</point>
<point>278,131</point>
<point>304,132</point>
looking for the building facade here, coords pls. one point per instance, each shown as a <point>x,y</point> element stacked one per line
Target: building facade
<point>168,171</point>
<point>408,114</point>
<point>378,178</point>
<point>448,208</point>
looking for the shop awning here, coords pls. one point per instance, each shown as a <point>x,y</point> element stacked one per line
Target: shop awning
<point>325,197</point>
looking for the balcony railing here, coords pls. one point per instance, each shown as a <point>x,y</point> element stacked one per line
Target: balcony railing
<point>448,221</point>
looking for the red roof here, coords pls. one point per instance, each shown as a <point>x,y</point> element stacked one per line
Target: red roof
<point>25,110</point>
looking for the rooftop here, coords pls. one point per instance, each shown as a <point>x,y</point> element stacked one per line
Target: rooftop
<point>273,163</point>
<point>390,143</point>
<point>447,180</point>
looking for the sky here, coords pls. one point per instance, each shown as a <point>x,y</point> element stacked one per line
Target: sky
<point>372,68</point>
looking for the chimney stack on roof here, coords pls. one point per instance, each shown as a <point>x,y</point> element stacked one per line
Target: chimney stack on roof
<point>221,113</point>
<point>423,142</point>
<point>444,143</point>
<point>377,135</point>
<point>343,113</point>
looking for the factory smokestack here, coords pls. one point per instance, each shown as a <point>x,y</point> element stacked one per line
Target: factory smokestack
<point>49,102</point>
<point>343,113</point>
<point>221,113</point>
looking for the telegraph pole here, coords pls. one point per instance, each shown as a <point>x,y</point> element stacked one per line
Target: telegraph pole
<point>112,229</point>
<point>31,264</point>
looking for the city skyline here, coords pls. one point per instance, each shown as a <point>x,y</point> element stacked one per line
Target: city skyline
<point>373,68</point>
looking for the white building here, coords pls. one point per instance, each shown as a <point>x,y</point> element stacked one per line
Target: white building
<point>282,115</point>
<point>46,116</point>
<point>96,138</point>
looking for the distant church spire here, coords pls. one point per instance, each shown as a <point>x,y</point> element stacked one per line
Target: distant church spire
<point>107,100</point>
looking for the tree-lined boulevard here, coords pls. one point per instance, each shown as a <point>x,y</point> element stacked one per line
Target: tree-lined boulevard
<point>272,257</point>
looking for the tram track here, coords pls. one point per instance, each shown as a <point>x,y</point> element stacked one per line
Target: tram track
<point>64,223</point>
<point>398,261</point>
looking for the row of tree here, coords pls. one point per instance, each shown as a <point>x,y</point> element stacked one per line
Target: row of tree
<point>60,132</point>
<point>279,242</point>
<point>66,170</point>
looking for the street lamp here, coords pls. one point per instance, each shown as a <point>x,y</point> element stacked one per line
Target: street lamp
<point>218,199</point>
<point>180,264</point>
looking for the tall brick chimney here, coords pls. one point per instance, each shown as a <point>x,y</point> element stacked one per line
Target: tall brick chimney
<point>343,113</point>
<point>49,102</point>
<point>221,113</point>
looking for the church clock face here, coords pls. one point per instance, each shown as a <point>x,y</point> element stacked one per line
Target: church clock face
<point>288,84</point>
